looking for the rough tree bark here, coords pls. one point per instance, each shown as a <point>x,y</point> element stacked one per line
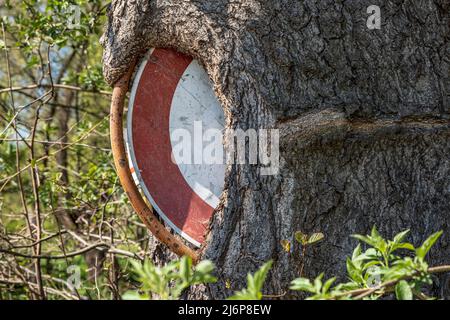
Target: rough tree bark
<point>363,117</point>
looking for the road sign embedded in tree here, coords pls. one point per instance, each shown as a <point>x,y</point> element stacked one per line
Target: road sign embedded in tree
<point>172,92</point>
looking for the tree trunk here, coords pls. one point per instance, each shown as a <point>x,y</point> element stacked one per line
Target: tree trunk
<point>363,117</point>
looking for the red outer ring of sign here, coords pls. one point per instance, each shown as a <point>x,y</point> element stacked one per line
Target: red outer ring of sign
<point>142,208</point>
<point>152,147</point>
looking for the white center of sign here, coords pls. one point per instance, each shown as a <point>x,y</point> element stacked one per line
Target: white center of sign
<point>195,110</point>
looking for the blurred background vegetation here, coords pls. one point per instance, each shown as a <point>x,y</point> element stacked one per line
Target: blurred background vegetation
<point>65,229</point>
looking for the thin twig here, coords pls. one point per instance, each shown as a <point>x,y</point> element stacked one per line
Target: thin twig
<point>56,86</point>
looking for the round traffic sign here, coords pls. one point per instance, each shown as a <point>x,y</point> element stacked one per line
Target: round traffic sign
<point>172,105</point>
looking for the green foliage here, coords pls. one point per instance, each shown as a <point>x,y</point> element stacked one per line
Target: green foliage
<point>90,79</point>
<point>373,271</point>
<point>305,239</point>
<point>319,289</point>
<point>378,271</point>
<point>403,291</point>
<point>49,21</point>
<point>46,42</point>
<point>169,282</point>
<point>254,284</point>
<point>422,251</point>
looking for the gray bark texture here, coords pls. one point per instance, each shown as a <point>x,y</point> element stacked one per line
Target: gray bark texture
<point>363,118</point>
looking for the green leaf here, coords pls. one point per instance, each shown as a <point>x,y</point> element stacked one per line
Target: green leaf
<point>261,274</point>
<point>302,284</point>
<point>346,287</point>
<point>134,295</point>
<point>356,252</point>
<point>371,264</point>
<point>32,61</point>
<point>301,237</point>
<point>203,278</point>
<point>286,244</point>
<point>369,254</point>
<point>318,283</point>
<point>400,236</point>
<point>375,234</point>
<point>185,269</point>
<point>422,251</point>
<point>169,281</point>
<point>403,291</point>
<point>397,243</point>
<point>327,285</point>
<point>315,237</point>
<point>364,239</point>
<point>406,245</point>
<point>254,284</point>
<point>204,267</point>
<point>375,240</point>
<point>354,273</point>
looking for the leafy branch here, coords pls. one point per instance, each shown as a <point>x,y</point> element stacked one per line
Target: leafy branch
<point>169,282</point>
<point>254,285</point>
<point>378,271</point>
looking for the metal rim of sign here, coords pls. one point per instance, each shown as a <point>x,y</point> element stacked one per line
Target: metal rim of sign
<point>118,146</point>
<point>155,88</point>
